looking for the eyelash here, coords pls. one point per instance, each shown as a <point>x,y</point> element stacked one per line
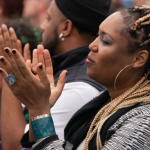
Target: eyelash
<point>105,42</point>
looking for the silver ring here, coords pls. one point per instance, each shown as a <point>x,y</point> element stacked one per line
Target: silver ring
<point>11,79</point>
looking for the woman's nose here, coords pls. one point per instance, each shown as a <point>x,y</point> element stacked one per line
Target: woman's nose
<point>93,46</point>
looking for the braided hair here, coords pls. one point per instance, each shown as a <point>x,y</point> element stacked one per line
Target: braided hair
<point>137,26</point>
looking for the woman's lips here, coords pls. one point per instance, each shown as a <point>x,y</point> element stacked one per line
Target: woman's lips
<point>89,60</point>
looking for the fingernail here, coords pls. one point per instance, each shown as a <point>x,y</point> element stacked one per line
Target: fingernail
<point>41,67</point>
<point>4,26</point>
<point>14,52</point>
<point>6,50</point>
<point>11,29</point>
<point>2,59</point>
<point>28,46</point>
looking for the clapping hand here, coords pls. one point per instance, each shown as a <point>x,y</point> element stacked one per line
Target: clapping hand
<point>27,88</point>
<point>43,56</point>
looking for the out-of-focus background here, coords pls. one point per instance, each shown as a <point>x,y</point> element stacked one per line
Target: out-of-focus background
<point>116,4</point>
<point>26,16</point>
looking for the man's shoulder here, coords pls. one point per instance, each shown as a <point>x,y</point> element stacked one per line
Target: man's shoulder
<point>80,90</point>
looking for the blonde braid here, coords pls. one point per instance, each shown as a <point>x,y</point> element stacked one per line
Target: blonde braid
<point>140,20</point>
<point>146,15</point>
<point>138,93</point>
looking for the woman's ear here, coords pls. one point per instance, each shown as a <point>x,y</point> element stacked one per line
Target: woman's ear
<point>67,27</point>
<point>140,59</point>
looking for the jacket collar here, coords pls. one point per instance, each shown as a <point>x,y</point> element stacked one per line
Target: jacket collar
<point>72,57</point>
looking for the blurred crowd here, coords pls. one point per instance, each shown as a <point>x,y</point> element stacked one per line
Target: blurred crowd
<point>116,4</point>
<point>28,15</point>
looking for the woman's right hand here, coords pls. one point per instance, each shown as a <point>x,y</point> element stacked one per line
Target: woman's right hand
<point>27,88</point>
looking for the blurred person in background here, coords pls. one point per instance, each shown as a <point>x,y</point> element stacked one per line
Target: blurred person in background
<point>10,9</point>
<point>148,2</point>
<point>36,10</point>
<point>116,4</point>
<point>26,32</point>
<point>128,3</point>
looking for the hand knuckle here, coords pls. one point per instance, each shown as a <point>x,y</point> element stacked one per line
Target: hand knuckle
<point>22,66</point>
<point>1,42</point>
<point>7,39</point>
<point>15,68</point>
<point>13,40</point>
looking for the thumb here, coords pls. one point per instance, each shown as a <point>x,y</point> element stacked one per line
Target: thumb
<point>42,75</point>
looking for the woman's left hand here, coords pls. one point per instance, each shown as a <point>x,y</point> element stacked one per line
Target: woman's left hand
<point>27,88</point>
<point>41,55</point>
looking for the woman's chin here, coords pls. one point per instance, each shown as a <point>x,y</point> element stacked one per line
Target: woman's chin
<point>90,74</point>
<point>96,77</point>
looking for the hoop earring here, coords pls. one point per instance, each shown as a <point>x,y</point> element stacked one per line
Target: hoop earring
<point>61,37</point>
<point>119,74</point>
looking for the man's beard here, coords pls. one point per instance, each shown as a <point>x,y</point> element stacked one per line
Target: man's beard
<point>51,45</point>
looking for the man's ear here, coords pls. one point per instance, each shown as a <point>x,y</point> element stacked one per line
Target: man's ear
<point>67,27</point>
<point>140,59</point>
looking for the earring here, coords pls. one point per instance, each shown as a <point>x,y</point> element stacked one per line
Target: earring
<point>61,37</point>
<point>119,74</point>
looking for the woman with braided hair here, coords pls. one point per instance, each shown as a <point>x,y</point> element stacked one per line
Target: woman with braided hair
<point>117,119</point>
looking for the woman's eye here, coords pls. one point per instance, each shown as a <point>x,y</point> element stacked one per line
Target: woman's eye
<point>105,41</point>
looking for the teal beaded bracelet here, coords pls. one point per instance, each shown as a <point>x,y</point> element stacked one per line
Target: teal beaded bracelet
<point>42,127</point>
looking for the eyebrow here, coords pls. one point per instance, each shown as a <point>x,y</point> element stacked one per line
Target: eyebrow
<point>104,33</point>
